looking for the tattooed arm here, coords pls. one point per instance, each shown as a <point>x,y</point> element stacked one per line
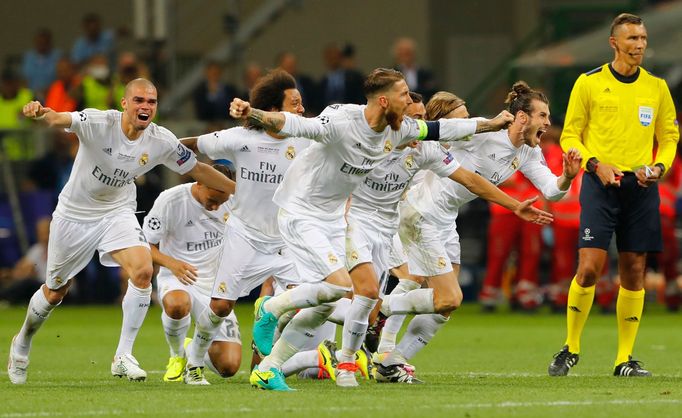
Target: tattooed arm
<point>270,121</point>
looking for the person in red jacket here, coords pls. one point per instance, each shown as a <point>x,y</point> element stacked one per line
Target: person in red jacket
<point>667,259</point>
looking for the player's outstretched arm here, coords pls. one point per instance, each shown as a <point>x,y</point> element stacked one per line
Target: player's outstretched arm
<point>185,272</point>
<point>485,189</point>
<point>270,121</point>
<point>36,111</point>
<point>191,143</point>
<point>501,121</point>
<point>572,161</point>
<point>209,176</point>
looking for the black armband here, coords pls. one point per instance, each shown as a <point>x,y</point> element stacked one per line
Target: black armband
<point>662,167</point>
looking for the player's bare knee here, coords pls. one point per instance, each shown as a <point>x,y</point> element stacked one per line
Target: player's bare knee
<point>177,310</point>
<point>228,369</point>
<point>445,302</point>
<point>368,290</point>
<point>221,307</point>
<point>142,276</point>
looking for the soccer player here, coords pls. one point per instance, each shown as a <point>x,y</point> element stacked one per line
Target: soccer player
<point>253,248</point>
<point>185,229</point>
<point>350,140</point>
<point>95,212</point>
<point>428,215</point>
<point>613,114</point>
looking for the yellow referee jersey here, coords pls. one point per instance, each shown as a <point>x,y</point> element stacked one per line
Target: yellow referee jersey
<point>615,118</point>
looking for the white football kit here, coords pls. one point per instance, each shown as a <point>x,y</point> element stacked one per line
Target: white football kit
<point>96,207</point>
<point>186,231</point>
<point>253,249</point>
<point>429,213</point>
<point>313,194</point>
<point>373,218</point>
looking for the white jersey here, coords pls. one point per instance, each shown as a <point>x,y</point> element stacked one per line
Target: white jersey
<point>346,150</point>
<point>491,155</point>
<point>260,162</point>
<point>376,199</point>
<point>186,231</point>
<point>107,163</point>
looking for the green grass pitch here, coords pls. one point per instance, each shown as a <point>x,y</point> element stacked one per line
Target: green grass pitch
<point>478,366</point>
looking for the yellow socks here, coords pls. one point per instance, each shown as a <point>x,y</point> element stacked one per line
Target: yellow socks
<point>628,313</point>
<point>578,309</point>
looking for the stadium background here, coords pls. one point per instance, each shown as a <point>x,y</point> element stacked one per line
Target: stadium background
<point>475,49</point>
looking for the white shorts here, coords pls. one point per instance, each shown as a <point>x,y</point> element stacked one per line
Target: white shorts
<point>396,253</point>
<point>242,268</point>
<point>365,244</point>
<point>72,244</point>
<point>229,332</point>
<point>428,247</point>
<point>318,247</point>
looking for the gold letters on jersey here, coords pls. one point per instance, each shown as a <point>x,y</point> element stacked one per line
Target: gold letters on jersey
<point>291,153</point>
<point>144,159</point>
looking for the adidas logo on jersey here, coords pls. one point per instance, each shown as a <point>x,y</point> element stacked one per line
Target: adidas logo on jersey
<point>245,148</point>
<point>189,223</point>
<point>107,150</point>
<point>358,145</point>
<point>492,157</point>
<point>607,90</point>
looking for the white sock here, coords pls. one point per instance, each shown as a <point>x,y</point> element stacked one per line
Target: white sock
<point>135,305</point>
<point>296,335</point>
<point>304,296</point>
<point>339,315</point>
<point>38,311</point>
<point>176,331</point>
<point>418,301</point>
<point>205,329</point>
<point>355,327</point>
<point>395,322</point>
<point>299,362</point>
<point>421,330</point>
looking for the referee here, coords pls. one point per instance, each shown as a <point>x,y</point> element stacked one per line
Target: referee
<point>613,114</point>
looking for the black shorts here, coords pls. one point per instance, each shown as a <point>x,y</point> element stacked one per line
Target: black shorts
<point>631,211</point>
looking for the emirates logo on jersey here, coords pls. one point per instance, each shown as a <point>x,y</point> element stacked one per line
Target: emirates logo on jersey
<point>388,146</point>
<point>144,159</point>
<point>409,162</point>
<point>290,153</point>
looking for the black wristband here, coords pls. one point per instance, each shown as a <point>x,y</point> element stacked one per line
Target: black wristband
<point>592,164</point>
<point>662,167</point>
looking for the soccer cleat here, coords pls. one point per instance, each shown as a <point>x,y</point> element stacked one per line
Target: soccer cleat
<point>175,369</point>
<point>379,357</point>
<point>396,373</point>
<point>374,333</point>
<point>263,327</point>
<point>195,376</point>
<point>363,364</point>
<point>126,365</point>
<point>326,358</point>
<point>631,368</point>
<point>345,375</point>
<point>563,361</point>
<point>272,379</point>
<point>16,366</point>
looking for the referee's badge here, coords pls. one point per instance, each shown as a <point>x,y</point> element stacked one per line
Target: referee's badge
<point>646,115</point>
<point>291,153</point>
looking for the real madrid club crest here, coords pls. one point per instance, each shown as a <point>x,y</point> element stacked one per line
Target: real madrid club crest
<point>58,280</point>
<point>332,258</point>
<point>291,152</point>
<point>222,287</point>
<point>409,162</point>
<point>388,146</point>
<point>441,262</point>
<point>226,216</point>
<point>354,256</point>
<point>144,159</point>
<point>515,163</point>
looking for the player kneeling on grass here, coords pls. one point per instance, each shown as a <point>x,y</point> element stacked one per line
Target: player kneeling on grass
<point>185,227</point>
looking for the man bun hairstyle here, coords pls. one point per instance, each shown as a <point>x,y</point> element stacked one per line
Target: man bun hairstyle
<point>268,93</point>
<point>521,97</point>
<point>380,80</point>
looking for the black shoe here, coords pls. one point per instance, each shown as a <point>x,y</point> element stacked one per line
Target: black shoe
<point>395,374</point>
<point>631,368</point>
<point>374,333</point>
<point>563,361</point>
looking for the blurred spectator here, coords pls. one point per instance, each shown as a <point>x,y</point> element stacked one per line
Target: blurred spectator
<point>212,97</point>
<point>128,68</point>
<point>668,258</point>
<point>96,85</point>
<point>29,272</point>
<point>13,97</point>
<point>63,95</point>
<point>418,79</point>
<point>340,84</point>
<point>53,170</point>
<point>39,64</point>
<point>94,41</point>
<point>252,73</point>
<point>311,101</point>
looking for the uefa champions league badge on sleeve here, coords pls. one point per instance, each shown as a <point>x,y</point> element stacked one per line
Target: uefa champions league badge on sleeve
<point>646,115</point>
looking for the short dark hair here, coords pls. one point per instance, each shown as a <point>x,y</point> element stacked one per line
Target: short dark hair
<point>416,97</point>
<point>624,19</point>
<point>224,170</point>
<point>268,93</point>
<point>521,97</point>
<point>380,80</point>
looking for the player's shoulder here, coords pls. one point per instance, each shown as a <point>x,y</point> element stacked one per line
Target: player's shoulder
<point>96,116</point>
<point>162,134</point>
<point>648,75</point>
<point>175,193</point>
<point>594,71</point>
<point>342,111</point>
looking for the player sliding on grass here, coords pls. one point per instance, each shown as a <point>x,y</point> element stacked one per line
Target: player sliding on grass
<point>96,212</point>
<point>428,215</point>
